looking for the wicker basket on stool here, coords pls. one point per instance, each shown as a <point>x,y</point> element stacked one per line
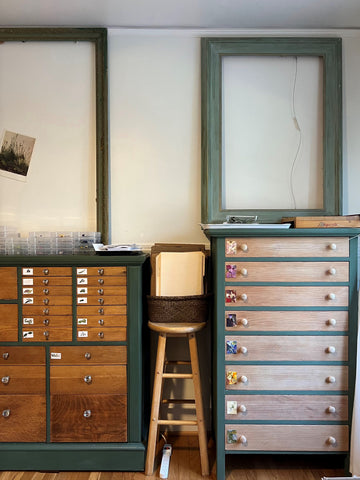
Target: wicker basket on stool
<point>187,309</point>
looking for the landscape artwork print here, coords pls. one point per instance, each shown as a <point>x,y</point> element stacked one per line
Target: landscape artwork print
<point>15,154</point>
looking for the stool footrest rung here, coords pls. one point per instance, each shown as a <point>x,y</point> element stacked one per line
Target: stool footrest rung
<point>177,375</point>
<point>177,422</point>
<point>178,400</point>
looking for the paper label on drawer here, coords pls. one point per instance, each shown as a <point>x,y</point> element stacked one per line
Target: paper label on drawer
<point>83,334</point>
<point>28,300</point>
<point>28,321</point>
<point>230,271</point>
<point>28,334</point>
<point>231,377</point>
<point>82,300</point>
<point>231,247</point>
<point>81,271</point>
<point>28,291</point>
<point>28,281</point>
<point>231,320</point>
<point>231,436</point>
<point>82,290</point>
<point>231,407</point>
<point>230,296</point>
<point>28,271</point>
<point>82,321</point>
<point>231,347</point>
<point>55,356</point>
<point>82,281</point>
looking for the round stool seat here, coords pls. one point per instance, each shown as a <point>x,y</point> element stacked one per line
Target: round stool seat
<point>176,328</point>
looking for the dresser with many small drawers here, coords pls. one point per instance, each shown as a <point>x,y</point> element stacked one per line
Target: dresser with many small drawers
<point>71,363</point>
<point>285,328</point>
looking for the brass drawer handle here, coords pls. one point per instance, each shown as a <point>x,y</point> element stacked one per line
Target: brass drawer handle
<point>6,413</point>
<point>87,379</point>
<point>101,301</point>
<point>87,355</point>
<point>46,301</point>
<point>46,281</point>
<point>46,334</point>
<point>5,355</point>
<point>101,311</point>
<point>46,311</point>
<point>5,380</point>
<point>87,413</point>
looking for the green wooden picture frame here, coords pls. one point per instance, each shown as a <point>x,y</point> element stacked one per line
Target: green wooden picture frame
<point>98,36</point>
<point>212,52</point>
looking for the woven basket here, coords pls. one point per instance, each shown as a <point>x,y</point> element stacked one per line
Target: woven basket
<point>189,309</point>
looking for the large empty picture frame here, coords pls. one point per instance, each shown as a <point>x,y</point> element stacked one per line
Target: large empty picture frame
<point>53,94</point>
<point>271,128</point>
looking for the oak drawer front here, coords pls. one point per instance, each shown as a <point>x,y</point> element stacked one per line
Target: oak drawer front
<point>317,321</point>
<point>287,247</point>
<point>111,310</point>
<point>47,290</point>
<point>101,281</point>
<point>47,300</point>
<point>47,334</point>
<point>291,438</point>
<point>287,271</point>
<point>110,334</point>
<point>46,310</point>
<point>22,356</point>
<point>286,348</point>
<point>8,282</point>
<point>49,321</point>
<point>88,355</point>
<point>286,407</point>
<point>8,323</point>
<point>88,418</point>
<point>23,418</point>
<point>102,320</point>
<point>254,296</point>
<point>102,300</point>
<point>47,272</point>
<point>101,271</point>
<point>91,379</point>
<point>286,377</point>
<point>108,291</point>
<point>22,379</point>
<point>46,281</point>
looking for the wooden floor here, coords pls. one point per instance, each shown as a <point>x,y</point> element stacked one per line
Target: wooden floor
<point>185,465</point>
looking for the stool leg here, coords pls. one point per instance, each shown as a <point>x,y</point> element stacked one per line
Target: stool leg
<point>199,405</point>
<point>155,406</point>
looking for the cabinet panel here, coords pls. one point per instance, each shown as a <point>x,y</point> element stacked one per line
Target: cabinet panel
<point>46,310</point>
<point>102,271</point>
<point>22,379</point>
<point>91,354</point>
<point>102,320</point>
<point>101,334</point>
<point>103,300</point>
<point>84,310</point>
<point>8,322</point>
<point>22,356</point>
<point>47,271</point>
<point>8,283</point>
<point>47,334</point>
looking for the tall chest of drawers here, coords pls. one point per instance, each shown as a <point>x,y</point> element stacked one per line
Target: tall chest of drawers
<point>285,328</point>
<point>71,363</point>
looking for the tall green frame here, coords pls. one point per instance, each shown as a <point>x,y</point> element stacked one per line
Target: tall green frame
<point>98,36</point>
<point>212,52</point>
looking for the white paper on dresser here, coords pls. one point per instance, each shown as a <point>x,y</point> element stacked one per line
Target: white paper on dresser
<point>180,273</point>
<point>355,431</point>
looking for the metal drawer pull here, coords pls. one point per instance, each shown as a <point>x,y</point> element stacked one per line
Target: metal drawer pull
<point>243,409</point>
<point>87,379</point>
<point>46,281</point>
<point>46,291</point>
<point>46,321</point>
<point>243,440</point>
<point>101,311</point>
<point>46,334</point>
<point>101,291</point>
<point>5,355</point>
<point>101,301</point>
<point>101,281</point>
<point>333,246</point>
<point>6,413</point>
<point>46,271</point>
<point>101,271</point>
<point>244,297</point>
<point>331,349</point>
<point>331,409</point>
<point>87,355</point>
<point>87,413</point>
<point>46,301</point>
<point>244,272</point>
<point>243,350</point>
<point>243,379</point>
<point>46,311</point>
<point>331,296</point>
<point>244,322</point>
<point>101,334</point>
<point>5,380</point>
<point>332,271</point>
<point>330,379</point>
<point>244,247</point>
<point>331,441</point>
<point>331,322</point>
<point>101,321</point>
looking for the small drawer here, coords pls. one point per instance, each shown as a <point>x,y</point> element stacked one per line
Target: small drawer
<point>103,310</point>
<point>286,377</point>
<point>101,300</point>
<point>88,355</point>
<point>46,290</point>
<point>47,334</point>
<point>103,334</point>
<point>22,379</point>
<point>49,321</point>
<point>88,418</point>
<point>102,321</point>
<point>47,300</point>
<point>46,272</point>
<point>100,290</point>
<point>101,281</point>
<point>287,271</point>
<point>46,310</point>
<point>8,282</point>
<point>333,408</point>
<point>101,271</point>
<point>46,281</point>
<point>23,418</point>
<point>317,348</point>
<point>316,321</point>
<point>88,379</point>
<point>9,323</point>
<point>291,438</point>
<point>287,247</point>
<point>255,296</point>
<point>22,356</point>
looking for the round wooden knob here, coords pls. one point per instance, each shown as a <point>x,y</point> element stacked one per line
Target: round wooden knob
<point>243,350</point>
<point>331,409</point>
<point>332,271</point>
<point>244,322</point>
<point>331,296</point>
<point>243,379</point>
<point>331,441</point>
<point>331,322</point>
<point>243,440</point>
<point>330,349</point>
<point>330,379</point>
<point>244,247</point>
<point>243,297</point>
<point>332,246</point>
<point>244,272</point>
<point>242,409</point>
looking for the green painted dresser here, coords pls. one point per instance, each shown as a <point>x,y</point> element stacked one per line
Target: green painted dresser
<point>285,329</point>
<point>71,363</point>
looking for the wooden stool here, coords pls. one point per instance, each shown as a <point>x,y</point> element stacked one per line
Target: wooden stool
<point>176,330</point>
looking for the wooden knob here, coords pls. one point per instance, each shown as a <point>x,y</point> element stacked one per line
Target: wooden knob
<point>332,271</point>
<point>244,322</point>
<point>331,409</point>
<point>332,246</point>
<point>330,349</point>
<point>244,272</point>
<point>331,322</point>
<point>243,379</point>
<point>331,441</point>
<point>242,409</point>
<point>244,297</point>
<point>243,440</point>
<point>244,247</point>
<point>331,296</point>
<point>330,379</point>
<point>243,350</point>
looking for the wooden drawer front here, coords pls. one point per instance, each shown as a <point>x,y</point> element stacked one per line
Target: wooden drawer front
<point>8,282</point>
<point>287,247</point>
<point>101,281</point>
<point>8,323</point>
<point>111,310</point>
<point>47,300</point>
<point>88,355</point>
<point>101,271</point>
<point>110,334</point>
<point>88,418</point>
<point>101,291</point>
<point>286,407</point>
<point>47,321</point>
<point>102,300</point>
<point>47,272</point>
<point>286,348</point>
<point>286,271</point>
<point>23,418</point>
<point>253,296</point>
<point>46,310</point>
<point>286,321</point>
<point>291,438</point>
<point>102,321</point>
<point>22,356</point>
<point>46,281</point>
<point>88,380</point>
<point>47,334</point>
<point>286,377</point>
<point>47,291</point>
<point>22,379</point>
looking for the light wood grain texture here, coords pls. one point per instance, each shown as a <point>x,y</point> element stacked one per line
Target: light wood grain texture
<point>49,290</point>
<point>8,282</point>
<point>8,324</point>
<point>101,271</point>
<point>46,281</point>
<point>22,379</point>
<point>102,334</point>
<point>46,310</point>
<point>105,320</point>
<point>49,334</point>
<point>101,281</point>
<point>117,309</point>
<point>47,272</point>
<point>22,356</point>
<point>49,320</point>
<point>91,355</point>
